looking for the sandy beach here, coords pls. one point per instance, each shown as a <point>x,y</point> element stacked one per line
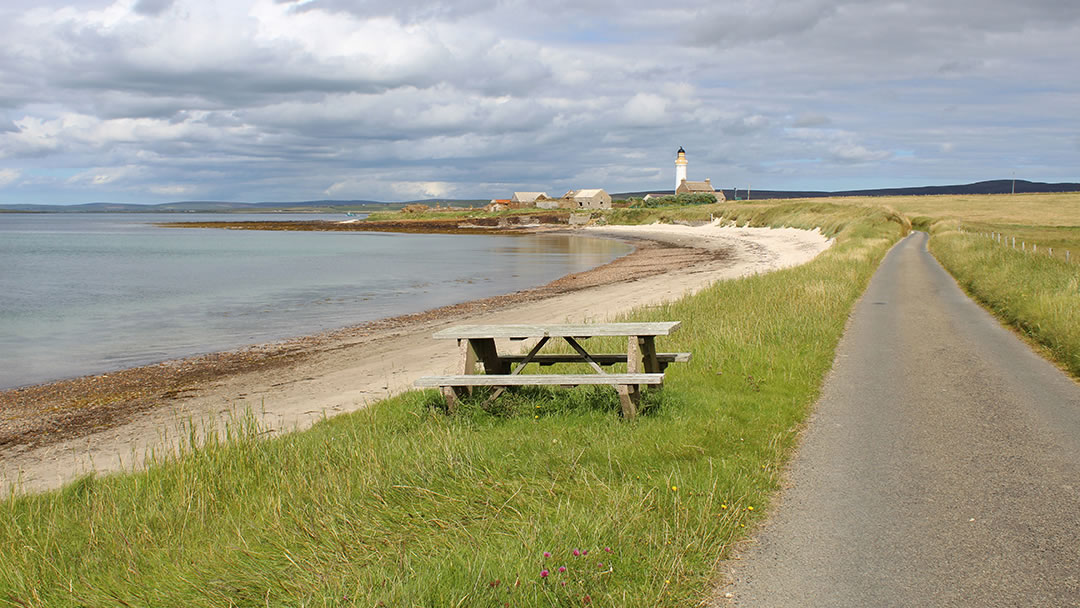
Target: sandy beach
<point>51,434</point>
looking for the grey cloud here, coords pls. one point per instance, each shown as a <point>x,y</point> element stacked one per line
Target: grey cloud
<point>747,125</point>
<point>722,24</point>
<point>152,8</point>
<point>409,11</point>
<point>811,120</point>
<point>959,66</point>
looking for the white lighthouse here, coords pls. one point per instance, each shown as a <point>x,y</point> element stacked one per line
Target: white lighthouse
<point>680,168</point>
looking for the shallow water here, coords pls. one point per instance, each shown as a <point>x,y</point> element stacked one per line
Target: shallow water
<point>83,294</point>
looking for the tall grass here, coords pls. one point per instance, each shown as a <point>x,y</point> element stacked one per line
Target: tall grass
<point>402,505</point>
<point>1037,294</point>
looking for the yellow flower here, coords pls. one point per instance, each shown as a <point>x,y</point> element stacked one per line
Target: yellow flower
<point>723,506</point>
<point>674,488</point>
<point>749,508</point>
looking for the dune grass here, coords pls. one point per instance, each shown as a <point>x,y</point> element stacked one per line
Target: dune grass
<point>403,505</point>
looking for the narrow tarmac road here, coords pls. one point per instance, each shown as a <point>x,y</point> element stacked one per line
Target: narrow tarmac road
<point>941,466</point>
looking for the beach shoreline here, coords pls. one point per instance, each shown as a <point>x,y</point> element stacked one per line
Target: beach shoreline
<point>55,432</point>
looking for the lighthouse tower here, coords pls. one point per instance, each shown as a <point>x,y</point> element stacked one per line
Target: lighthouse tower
<point>680,168</point>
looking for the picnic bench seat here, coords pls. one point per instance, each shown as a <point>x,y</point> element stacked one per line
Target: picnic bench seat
<point>663,359</point>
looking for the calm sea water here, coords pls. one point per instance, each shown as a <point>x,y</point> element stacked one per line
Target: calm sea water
<point>82,294</point>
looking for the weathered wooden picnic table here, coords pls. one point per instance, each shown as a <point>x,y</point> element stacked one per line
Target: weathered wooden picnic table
<point>477,345</point>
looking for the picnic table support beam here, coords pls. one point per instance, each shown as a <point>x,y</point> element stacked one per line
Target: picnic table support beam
<point>629,397</point>
<point>647,346</point>
<point>484,351</point>
<point>584,354</point>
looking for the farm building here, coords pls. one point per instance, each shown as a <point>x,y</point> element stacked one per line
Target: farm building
<point>588,198</point>
<point>527,197</point>
<point>705,187</point>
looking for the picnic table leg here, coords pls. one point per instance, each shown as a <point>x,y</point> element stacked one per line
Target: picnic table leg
<point>629,397</point>
<point>630,394</point>
<point>452,394</point>
<point>488,355</point>
<point>647,346</point>
<point>468,356</point>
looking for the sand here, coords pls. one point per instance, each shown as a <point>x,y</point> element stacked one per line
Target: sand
<point>305,380</point>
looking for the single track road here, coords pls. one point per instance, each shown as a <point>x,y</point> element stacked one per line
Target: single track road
<point>941,466</point>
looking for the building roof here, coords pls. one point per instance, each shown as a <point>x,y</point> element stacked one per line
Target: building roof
<point>705,186</point>
<point>587,192</point>
<point>528,196</point>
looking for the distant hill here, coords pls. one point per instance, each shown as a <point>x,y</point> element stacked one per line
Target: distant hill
<point>211,207</point>
<point>998,186</point>
<point>320,206</point>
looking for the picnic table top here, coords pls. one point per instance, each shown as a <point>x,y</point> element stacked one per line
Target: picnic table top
<point>576,330</point>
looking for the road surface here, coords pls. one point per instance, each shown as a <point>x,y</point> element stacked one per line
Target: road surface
<point>941,466</point>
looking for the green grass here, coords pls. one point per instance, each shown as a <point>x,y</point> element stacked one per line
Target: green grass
<point>1035,293</point>
<point>402,505</point>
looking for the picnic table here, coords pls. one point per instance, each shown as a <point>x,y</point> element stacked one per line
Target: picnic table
<point>477,347</point>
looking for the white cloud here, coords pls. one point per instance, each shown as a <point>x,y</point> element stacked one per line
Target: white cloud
<point>172,189</point>
<point>8,176</point>
<point>104,176</point>
<point>645,109</point>
<point>423,189</point>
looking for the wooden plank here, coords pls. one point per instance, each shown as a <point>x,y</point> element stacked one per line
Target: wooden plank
<point>538,380</point>
<point>558,331</point>
<point>601,358</point>
<point>584,354</point>
<point>529,357</point>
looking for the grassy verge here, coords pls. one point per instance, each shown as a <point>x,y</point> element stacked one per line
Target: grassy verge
<point>401,505</point>
<point>1037,294</point>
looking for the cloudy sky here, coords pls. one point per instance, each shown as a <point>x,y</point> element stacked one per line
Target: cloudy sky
<point>279,100</point>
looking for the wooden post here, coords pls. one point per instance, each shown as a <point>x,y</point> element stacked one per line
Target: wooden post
<point>468,356</point>
<point>629,396</point>
<point>452,394</point>
<point>647,345</point>
<point>489,356</point>
<point>633,355</point>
